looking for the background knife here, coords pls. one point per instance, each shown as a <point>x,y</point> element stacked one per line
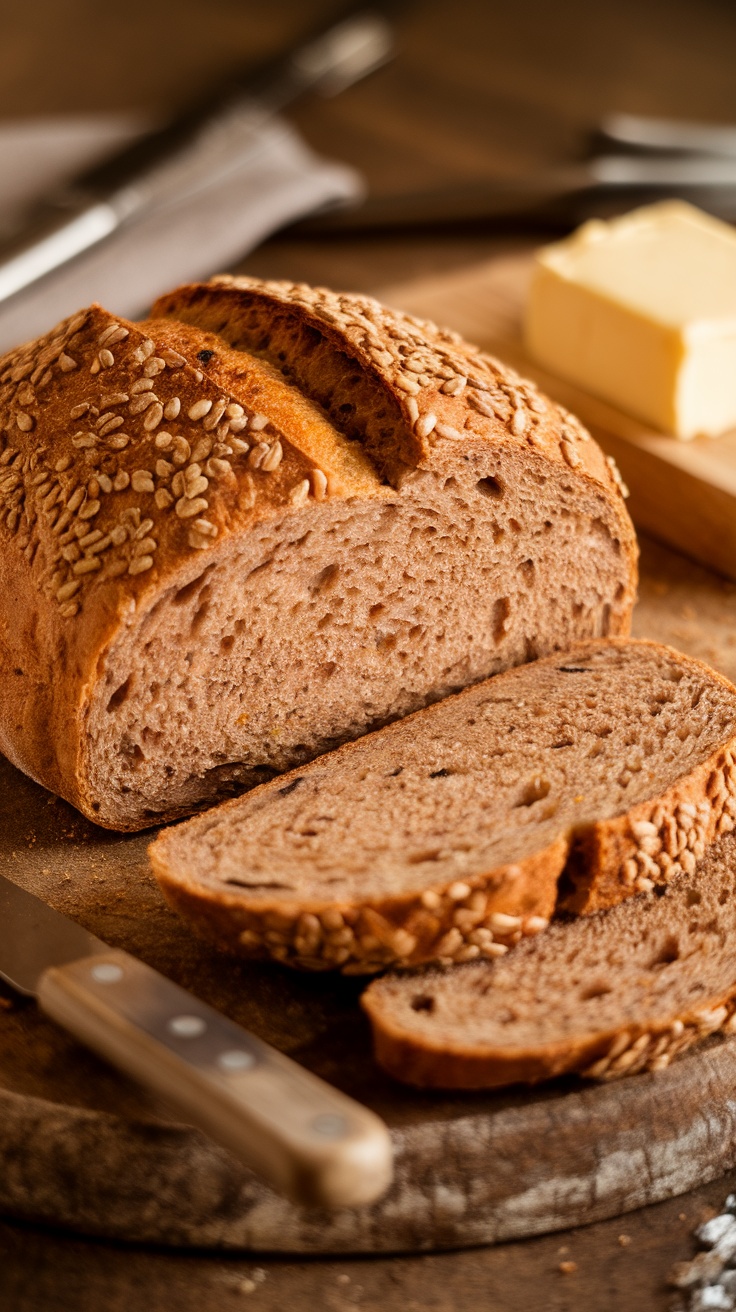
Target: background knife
<point>203,144</point>
<point>303,1137</point>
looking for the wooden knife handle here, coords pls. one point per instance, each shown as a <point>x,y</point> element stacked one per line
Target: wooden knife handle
<point>303,1137</point>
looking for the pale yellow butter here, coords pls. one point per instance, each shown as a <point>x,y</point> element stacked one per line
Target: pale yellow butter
<point>641,311</point>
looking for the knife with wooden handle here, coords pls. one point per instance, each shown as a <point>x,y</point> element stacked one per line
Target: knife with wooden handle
<point>301,1136</point>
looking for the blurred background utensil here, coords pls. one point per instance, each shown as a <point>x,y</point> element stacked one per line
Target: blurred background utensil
<point>208,141</point>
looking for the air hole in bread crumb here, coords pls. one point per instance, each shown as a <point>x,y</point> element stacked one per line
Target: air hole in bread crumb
<point>423,1002</point>
<point>526,569</point>
<point>499,622</point>
<point>596,989</point>
<point>120,694</point>
<point>491,487</point>
<point>667,953</point>
<point>534,791</point>
<point>694,897</point>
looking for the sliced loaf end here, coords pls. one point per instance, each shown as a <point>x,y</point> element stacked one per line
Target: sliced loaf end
<point>607,995</point>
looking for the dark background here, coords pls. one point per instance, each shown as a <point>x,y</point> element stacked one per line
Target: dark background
<point>477,89</point>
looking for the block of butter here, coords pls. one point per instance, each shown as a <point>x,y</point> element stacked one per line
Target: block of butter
<point>641,310</point>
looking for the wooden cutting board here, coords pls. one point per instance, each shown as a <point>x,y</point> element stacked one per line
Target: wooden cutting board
<point>682,492</point>
<point>83,1148</point>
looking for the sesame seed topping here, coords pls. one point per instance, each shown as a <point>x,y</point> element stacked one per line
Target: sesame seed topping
<point>24,421</point>
<point>141,385</point>
<point>199,409</point>
<point>89,510</point>
<point>78,410</point>
<point>425,424</point>
<point>121,480</point>
<point>319,484</point>
<point>68,589</point>
<point>67,363</point>
<point>163,498</point>
<point>187,509</point>
<point>258,423</point>
<point>140,564</point>
<point>87,565</point>
<point>141,481</point>
<point>106,358</point>
<point>153,366</point>
<point>154,415</point>
<point>299,492</point>
<point>172,408</point>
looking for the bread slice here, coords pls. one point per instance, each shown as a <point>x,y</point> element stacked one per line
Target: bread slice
<point>445,836</point>
<point>605,995</point>
<point>223,552</point>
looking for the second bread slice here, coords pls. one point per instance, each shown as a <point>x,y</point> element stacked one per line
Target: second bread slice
<point>576,780</point>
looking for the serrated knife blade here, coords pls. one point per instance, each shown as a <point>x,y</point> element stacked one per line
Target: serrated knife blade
<point>306,1139</point>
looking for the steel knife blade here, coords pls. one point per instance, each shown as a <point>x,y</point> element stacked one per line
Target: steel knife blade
<point>305,1138</point>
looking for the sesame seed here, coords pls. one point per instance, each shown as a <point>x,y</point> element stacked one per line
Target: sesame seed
<point>121,480</point>
<point>163,498</point>
<point>196,486</point>
<point>118,442</point>
<point>141,481</point>
<point>25,422</point>
<point>89,510</point>
<point>141,385</point>
<point>237,444</point>
<point>501,923</point>
<point>68,590</point>
<point>145,546</point>
<point>164,468</point>
<point>62,464</point>
<point>569,454</point>
<point>199,409</point>
<point>112,334</point>
<point>299,492</point>
<point>319,484</point>
<point>431,900</point>
<point>258,454</point>
<point>114,398</point>
<point>257,423</point>
<point>95,366</point>
<point>140,564</point>
<point>234,410</point>
<point>407,384</point>
<point>68,609</point>
<point>163,441</point>
<point>206,527</point>
<point>447,431</point>
<point>201,449</point>
<point>186,509</point>
<point>173,359</point>
<point>412,409</point>
<point>141,402</point>
<point>215,415</point>
<point>237,425</point>
<point>172,408</point>
<point>154,415</point>
<point>216,468</point>
<point>458,891</point>
<point>182,451</point>
<point>116,422</point>
<point>67,363</point>
<point>78,410</point>
<point>88,565</point>
<point>482,406</point>
<point>153,366</point>
<point>454,386</point>
<point>106,358</point>
<point>425,424</point>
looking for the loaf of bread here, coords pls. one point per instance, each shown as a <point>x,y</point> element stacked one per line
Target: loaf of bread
<point>606,995</point>
<point>266,521</point>
<point>573,781</point>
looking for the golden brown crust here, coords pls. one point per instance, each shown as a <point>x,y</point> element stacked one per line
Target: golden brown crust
<point>605,1056</point>
<point>479,917</point>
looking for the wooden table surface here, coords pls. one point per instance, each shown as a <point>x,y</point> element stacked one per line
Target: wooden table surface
<point>477,89</point>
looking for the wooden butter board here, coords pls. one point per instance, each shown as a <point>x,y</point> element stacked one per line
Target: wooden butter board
<point>83,1148</point>
<point>682,492</point>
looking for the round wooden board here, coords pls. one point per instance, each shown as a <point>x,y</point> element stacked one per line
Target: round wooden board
<point>83,1148</point>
